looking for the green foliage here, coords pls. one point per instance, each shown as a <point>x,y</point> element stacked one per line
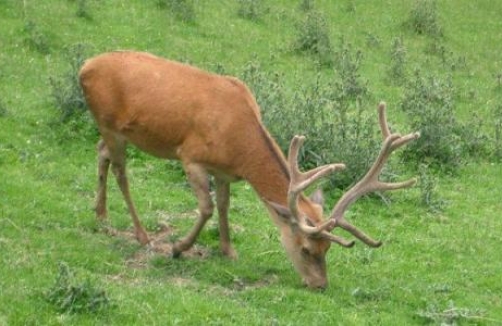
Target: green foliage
<point>70,295</point>
<point>312,37</point>
<point>251,9</point>
<point>83,9</point>
<point>66,91</point>
<point>35,38</point>
<point>183,10</point>
<point>451,314</point>
<point>397,70</point>
<point>424,19</point>
<point>430,105</point>
<point>497,132</point>
<point>306,5</point>
<point>429,195</point>
<point>73,119</point>
<point>3,108</point>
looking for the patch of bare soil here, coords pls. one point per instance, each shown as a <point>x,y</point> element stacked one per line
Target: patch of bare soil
<point>159,245</point>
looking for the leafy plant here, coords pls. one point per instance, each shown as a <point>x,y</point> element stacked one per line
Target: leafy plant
<point>70,295</point>
<point>313,37</point>
<point>306,5</point>
<point>397,70</point>
<point>424,18</point>
<point>429,196</point>
<point>183,10</point>
<point>429,103</point>
<point>3,109</point>
<point>251,9</point>
<point>35,38</point>
<point>66,91</point>
<point>450,315</point>
<point>83,9</point>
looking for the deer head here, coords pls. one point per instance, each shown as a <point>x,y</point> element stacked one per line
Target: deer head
<point>306,240</point>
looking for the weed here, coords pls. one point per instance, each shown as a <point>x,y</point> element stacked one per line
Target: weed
<point>429,103</point>
<point>306,5</point>
<point>3,109</point>
<point>423,18</point>
<point>313,37</point>
<point>251,9</point>
<point>70,295</point>
<point>83,9</point>
<point>66,91</point>
<point>73,118</point>
<point>183,10</point>
<point>35,38</point>
<point>429,196</point>
<point>450,315</point>
<point>397,71</point>
<point>497,128</point>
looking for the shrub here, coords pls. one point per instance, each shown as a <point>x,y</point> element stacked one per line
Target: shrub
<point>70,295</point>
<point>423,18</point>
<point>183,10</point>
<point>429,103</point>
<point>72,117</point>
<point>251,9</point>
<point>497,130</point>
<point>83,9</point>
<point>66,91</point>
<point>397,70</point>
<point>313,38</point>
<point>35,39</point>
<point>3,108</point>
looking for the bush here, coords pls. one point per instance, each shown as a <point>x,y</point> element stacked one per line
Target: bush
<point>72,117</point>
<point>251,9</point>
<point>35,39</point>
<point>183,10</point>
<point>69,295</point>
<point>66,91</point>
<point>397,71</point>
<point>429,103</point>
<point>423,18</point>
<point>313,38</point>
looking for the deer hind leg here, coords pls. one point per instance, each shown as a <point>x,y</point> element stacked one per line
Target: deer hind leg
<point>222,203</point>
<point>113,151</point>
<point>199,181</point>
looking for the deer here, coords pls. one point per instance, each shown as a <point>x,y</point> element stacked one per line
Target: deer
<point>212,124</point>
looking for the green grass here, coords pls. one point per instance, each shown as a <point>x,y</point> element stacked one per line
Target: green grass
<point>435,266</point>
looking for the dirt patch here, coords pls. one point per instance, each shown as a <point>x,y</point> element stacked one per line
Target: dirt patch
<point>159,245</point>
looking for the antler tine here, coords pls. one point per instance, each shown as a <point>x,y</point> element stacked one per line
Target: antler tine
<point>299,181</point>
<point>370,181</point>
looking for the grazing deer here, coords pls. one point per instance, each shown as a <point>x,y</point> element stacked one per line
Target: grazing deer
<point>212,124</point>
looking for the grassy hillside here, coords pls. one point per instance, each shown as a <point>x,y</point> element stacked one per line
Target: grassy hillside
<point>440,260</point>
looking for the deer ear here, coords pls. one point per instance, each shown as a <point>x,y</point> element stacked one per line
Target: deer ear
<point>281,210</point>
<point>317,197</point>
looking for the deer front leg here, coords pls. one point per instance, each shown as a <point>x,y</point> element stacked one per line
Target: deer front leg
<point>103,167</point>
<point>222,203</point>
<point>199,181</point>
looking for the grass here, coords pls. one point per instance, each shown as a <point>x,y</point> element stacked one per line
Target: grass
<point>436,266</point>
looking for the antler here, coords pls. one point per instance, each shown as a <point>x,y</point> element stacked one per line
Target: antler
<point>370,181</point>
<point>299,181</point>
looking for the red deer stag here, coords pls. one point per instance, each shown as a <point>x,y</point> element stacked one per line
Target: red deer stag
<point>212,124</point>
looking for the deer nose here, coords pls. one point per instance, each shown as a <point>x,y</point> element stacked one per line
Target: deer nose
<point>320,285</point>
